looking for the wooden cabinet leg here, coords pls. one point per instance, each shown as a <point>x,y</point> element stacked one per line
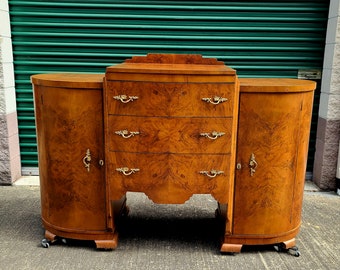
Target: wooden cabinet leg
<point>231,248</point>
<point>49,239</point>
<point>289,244</point>
<point>107,244</point>
<point>50,236</point>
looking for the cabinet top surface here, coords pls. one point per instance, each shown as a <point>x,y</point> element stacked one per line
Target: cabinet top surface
<point>69,80</point>
<point>275,85</point>
<point>172,64</point>
<point>171,69</point>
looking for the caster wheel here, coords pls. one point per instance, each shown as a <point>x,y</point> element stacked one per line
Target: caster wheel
<point>45,243</point>
<point>279,248</point>
<point>294,251</point>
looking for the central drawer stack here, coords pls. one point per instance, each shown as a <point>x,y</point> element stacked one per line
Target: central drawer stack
<point>170,127</point>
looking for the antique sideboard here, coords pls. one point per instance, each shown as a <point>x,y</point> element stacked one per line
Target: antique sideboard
<point>171,126</point>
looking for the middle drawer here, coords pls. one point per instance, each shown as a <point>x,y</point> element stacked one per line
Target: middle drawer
<point>169,135</point>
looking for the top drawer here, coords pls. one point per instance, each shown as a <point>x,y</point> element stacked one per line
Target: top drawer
<point>170,99</point>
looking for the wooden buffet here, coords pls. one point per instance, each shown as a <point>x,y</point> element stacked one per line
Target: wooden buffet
<point>171,126</point>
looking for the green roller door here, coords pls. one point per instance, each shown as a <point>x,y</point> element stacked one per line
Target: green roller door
<point>257,38</point>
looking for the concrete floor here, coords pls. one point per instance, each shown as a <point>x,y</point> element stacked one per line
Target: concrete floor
<point>164,237</point>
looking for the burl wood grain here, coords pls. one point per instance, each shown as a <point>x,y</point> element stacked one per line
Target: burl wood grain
<point>170,135</point>
<point>168,154</point>
<point>170,99</point>
<point>274,124</point>
<point>69,120</point>
<point>169,178</point>
<point>157,58</point>
<point>271,133</point>
<point>68,123</point>
<point>167,116</point>
<point>174,64</point>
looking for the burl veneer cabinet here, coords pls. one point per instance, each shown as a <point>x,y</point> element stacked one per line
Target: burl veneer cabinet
<point>171,126</point>
<point>70,132</point>
<point>272,146</point>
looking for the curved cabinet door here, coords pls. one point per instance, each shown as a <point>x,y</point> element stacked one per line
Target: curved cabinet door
<point>272,147</point>
<point>70,143</point>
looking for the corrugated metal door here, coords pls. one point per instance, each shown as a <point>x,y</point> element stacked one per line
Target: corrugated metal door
<point>257,38</point>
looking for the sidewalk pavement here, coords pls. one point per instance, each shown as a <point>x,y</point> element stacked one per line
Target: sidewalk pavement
<point>164,237</point>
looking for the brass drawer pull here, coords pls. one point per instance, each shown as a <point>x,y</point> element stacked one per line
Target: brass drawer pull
<point>87,160</point>
<point>125,98</point>
<point>213,135</point>
<point>126,134</point>
<point>127,171</point>
<point>215,100</point>
<point>212,173</point>
<point>252,164</point>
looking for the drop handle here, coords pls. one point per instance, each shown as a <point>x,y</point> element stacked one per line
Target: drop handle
<point>252,164</point>
<point>212,173</point>
<point>127,171</point>
<point>126,134</point>
<point>87,160</point>
<point>213,135</point>
<point>125,98</point>
<point>215,100</point>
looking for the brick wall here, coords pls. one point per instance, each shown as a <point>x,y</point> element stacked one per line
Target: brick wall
<point>328,133</point>
<point>10,169</point>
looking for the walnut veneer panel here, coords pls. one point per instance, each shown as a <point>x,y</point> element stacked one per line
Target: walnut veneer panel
<point>274,141</point>
<point>272,146</point>
<point>64,134</point>
<point>169,135</point>
<point>169,178</point>
<point>160,105</point>
<point>70,132</point>
<point>156,130</point>
<point>170,99</point>
<point>172,64</point>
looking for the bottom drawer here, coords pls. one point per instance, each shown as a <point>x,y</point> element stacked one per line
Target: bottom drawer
<point>169,178</point>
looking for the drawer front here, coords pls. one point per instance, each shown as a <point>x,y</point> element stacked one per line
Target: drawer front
<point>169,178</point>
<point>169,135</point>
<point>170,99</point>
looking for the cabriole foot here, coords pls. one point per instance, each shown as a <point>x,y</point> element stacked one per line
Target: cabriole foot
<point>231,248</point>
<point>108,244</point>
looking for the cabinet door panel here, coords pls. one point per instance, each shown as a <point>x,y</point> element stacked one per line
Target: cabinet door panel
<point>69,122</point>
<point>169,135</point>
<point>169,99</point>
<point>268,132</point>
